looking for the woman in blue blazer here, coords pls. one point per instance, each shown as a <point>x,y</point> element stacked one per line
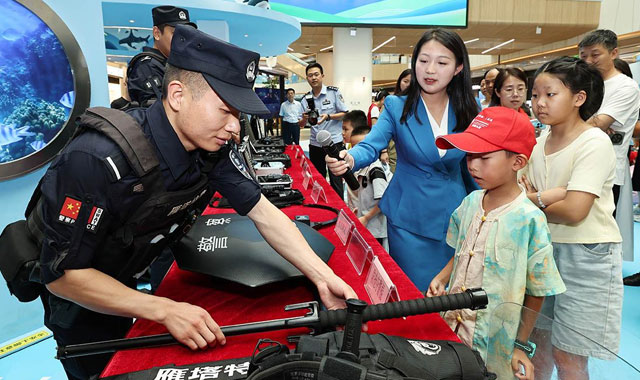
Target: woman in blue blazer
<point>428,184</point>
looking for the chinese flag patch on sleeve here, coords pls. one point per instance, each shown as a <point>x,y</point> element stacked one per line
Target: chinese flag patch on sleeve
<point>69,211</point>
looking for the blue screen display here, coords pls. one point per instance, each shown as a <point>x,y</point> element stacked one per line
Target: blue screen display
<point>376,12</point>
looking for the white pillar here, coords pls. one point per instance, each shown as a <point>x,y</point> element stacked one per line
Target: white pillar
<point>352,66</point>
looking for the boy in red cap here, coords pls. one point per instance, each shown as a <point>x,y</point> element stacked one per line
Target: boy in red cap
<point>502,244</point>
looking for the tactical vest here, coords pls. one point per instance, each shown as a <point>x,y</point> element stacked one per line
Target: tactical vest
<point>151,81</point>
<point>162,218</point>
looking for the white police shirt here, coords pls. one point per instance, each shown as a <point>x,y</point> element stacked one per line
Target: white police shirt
<point>291,112</point>
<point>329,101</point>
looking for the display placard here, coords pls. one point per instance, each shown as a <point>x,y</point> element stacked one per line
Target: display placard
<point>378,284</point>
<point>297,149</point>
<point>306,179</point>
<point>358,251</point>
<point>302,159</point>
<point>305,166</point>
<point>317,192</point>
<point>344,226</point>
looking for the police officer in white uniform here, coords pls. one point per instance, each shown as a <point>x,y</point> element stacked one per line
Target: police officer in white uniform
<point>331,108</point>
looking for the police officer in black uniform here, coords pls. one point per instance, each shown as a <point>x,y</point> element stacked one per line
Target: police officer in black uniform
<point>106,210</point>
<point>146,70</point>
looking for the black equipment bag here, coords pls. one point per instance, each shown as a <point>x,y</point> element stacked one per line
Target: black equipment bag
<point>381,357</point>
<point>280,197</point>
<point>283,197</point>
<point>19,261</point>
<point>273,157</point>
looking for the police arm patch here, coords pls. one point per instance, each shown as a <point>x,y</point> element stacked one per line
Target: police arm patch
<point>239,163</point>
<point>69,214</point>
<point>69,211</point>
<point>95,218</point>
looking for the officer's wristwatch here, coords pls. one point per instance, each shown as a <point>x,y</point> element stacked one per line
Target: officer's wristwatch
<point>328,116</point>
<point>528,348</point>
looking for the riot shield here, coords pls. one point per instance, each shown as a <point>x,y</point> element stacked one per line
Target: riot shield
<point>505,321</point>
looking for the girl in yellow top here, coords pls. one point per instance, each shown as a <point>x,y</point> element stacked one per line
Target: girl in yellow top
<point>570,176</point>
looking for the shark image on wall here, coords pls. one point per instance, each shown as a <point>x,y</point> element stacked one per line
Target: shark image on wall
<point>132,39</point>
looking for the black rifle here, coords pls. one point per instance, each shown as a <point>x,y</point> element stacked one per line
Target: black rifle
<point>316,320</point>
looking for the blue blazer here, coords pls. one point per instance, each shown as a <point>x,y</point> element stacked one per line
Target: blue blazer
<point>425,189</point>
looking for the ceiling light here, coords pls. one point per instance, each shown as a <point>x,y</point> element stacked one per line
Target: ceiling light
<point>303,63</point>
<point>132,21</point>
<point>260,44</point>
<point>352,33</point>
<point>246,35</point>
<point>470,41</point>
<point>499,46</point>
<point>289,49</point>
<point>384,43</point>
<point>327,48</point>
<point>271,61</point>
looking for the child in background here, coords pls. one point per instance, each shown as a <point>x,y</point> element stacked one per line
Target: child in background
<point>501,242</point>
<point>578,160</point>
<point>351,120</point>
<point>373,183</point>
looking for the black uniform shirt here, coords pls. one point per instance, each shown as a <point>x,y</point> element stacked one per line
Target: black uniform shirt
<point>91,175</point>
<point>144,78</point>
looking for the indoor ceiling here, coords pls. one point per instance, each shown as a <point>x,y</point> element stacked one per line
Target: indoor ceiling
<point>314,38</point>
<point>492,22</point>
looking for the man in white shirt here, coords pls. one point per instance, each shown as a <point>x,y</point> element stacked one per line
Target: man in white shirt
<point>291,114</point>
<point>619,110</point>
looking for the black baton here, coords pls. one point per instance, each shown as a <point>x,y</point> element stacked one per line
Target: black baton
<point>316,320</point>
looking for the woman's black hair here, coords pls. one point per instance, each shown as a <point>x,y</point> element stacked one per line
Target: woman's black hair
<point>503,75</point>
<point>404,73</point>
<point>577,75</point>
<point>381,95</point>
<point>623,67</point>
<point>459,89</point>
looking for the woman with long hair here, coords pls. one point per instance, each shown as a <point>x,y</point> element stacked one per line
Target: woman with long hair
<point>403,82</point>
<point>428,183</point>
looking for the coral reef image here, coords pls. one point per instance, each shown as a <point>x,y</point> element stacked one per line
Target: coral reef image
<point>36,83</point>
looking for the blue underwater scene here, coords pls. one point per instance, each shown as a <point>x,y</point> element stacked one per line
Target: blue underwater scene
<point>36,83</point>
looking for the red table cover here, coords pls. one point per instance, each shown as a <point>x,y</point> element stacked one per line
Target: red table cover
<point>230,303</point>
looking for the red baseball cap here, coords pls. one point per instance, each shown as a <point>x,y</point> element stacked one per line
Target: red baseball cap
<point>495,128</point>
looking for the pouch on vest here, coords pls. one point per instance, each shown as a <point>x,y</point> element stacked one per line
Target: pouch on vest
<point>19,257</point>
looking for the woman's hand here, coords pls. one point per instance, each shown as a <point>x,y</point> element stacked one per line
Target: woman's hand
<point>339,167</point>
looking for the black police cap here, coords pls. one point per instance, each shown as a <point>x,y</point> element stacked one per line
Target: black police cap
<point>170,15</point>
<point>228,69</point>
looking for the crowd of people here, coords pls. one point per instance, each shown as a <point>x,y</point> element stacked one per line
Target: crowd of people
<point>532,222</point>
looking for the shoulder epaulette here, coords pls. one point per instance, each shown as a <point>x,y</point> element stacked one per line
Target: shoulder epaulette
<point>334,88</point>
